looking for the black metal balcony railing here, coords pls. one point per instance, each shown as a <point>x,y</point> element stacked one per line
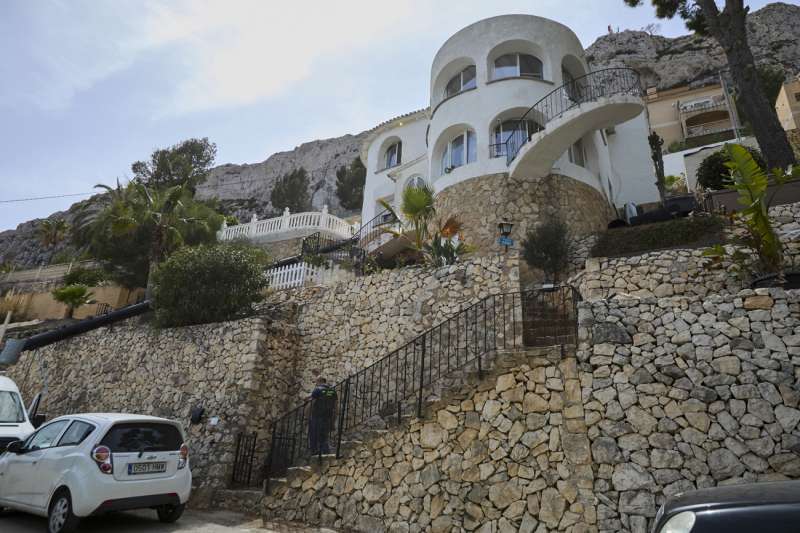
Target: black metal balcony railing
<point>400,381</point>
<point>592,86</point>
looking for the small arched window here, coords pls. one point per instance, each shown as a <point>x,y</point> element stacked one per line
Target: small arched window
<point>518,66</point>
<point>461,82</point>
<point>519,131</point>
<point>415,181</point>
<point>394,155</point>
<point>461,150</point>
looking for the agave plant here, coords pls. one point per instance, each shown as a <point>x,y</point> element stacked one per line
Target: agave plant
<point>444,248</point>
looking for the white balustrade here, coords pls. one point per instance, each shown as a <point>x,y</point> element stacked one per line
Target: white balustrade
<point>288,223</point>
<point>303,275</point>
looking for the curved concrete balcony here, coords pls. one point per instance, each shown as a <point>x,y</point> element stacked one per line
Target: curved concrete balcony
<point>288,226</point>
<point>598,100</point>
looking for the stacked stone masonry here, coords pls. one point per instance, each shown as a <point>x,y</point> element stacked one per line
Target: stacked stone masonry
<point>246,373</point>
<point>688,392</point>
<point>345,327</point>
<point>677,272</point>
<point>481,203</point>
<point>511,454</point>
<point>237,371</point>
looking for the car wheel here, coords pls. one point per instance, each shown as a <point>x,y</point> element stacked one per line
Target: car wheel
<point>60,518</point>
<point>170,513</point>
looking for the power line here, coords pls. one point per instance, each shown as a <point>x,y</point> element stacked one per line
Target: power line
<point>46,197</point>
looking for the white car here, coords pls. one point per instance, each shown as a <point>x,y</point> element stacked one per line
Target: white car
<point>14,422</point>
<point>81,465</point>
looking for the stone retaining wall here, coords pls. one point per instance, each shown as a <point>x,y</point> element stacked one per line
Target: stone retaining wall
<point>687,392</point>
<point>677,272</point>
<point>240,372</point>
<point>512,455</point>
<point>345,327</point>
<point>481,203</point>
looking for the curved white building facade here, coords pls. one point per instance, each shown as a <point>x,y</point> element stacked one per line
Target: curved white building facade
<point>483,81</point>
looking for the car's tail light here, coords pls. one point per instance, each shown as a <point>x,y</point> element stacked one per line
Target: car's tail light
<point>102,456</point>
<point>184,458</point>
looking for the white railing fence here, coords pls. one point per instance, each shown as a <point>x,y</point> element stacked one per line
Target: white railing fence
<point>312,220</point>
<point>44,273</point>
<point>303,275</point>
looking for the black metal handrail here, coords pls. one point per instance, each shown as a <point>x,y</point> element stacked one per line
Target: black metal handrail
<point>503,321</point>
<point>598,84</point>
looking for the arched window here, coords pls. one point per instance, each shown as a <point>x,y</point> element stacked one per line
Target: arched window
<point>461,82</point>
<point>519,131</point>
<point>461,149</point>
<point>415,181</point>
<point>517,66</point>
<point>393,155</point>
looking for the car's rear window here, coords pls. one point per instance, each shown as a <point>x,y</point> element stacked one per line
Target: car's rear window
<point>143,436</point>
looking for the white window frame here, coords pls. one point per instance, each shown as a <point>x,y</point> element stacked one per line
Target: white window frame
<point>446,154</point>
<point>519,71</point>
<point>398,146</point>
<point>460,77</point>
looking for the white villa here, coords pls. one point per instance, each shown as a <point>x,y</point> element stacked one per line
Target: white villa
<point>517,125</point>
<point>518,129</point>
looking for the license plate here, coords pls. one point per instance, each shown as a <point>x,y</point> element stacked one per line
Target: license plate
<point>146,468</point>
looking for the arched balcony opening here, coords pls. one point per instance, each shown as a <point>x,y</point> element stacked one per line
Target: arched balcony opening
<point>517,59</point>
<point>508,125</point>
<point>457,77</point>
<point>457,146</point>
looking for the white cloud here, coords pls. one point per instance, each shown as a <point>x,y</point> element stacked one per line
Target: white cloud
<point>242,52</point>
<point>228,53</point>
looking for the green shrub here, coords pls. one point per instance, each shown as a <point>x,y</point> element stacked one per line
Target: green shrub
<point>91,277</point>
<point>714,174</point>
<point>209,283</point>
<point>689,232</point>
<point>548,247</point>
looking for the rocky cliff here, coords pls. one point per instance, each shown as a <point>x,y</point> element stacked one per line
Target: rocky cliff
<point>693,60</point>
<point>245,189</point>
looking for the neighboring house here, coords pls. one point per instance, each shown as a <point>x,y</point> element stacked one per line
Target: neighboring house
<point>788,105</point>
<point>692,116</point>
<point>581,151</point>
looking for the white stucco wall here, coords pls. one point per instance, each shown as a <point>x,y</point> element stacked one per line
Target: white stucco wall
<point>378,184</point>
<point>631,162</point>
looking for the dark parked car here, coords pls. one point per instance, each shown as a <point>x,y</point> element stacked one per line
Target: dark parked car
<point>772,507</point>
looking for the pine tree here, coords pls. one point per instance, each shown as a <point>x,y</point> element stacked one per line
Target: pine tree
<point>350,184</point>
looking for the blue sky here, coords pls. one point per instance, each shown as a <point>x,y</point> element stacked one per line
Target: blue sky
<point>88,87</point>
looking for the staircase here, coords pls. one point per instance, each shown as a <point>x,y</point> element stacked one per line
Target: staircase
<point>402,383</point>
<point>596,101</point>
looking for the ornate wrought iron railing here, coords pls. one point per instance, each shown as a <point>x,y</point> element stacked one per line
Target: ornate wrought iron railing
<point>400,382</point>
<point>592,86</point>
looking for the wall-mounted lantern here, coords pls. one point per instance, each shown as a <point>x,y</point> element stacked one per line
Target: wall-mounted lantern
<point>505,239</point>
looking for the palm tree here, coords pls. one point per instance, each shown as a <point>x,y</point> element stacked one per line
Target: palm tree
<point>73,296</point>
<point>52,231</point>
<point>163,211</point>
<point>417,209</point>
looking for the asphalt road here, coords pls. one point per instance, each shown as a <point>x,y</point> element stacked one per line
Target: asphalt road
<point>141,521</point>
